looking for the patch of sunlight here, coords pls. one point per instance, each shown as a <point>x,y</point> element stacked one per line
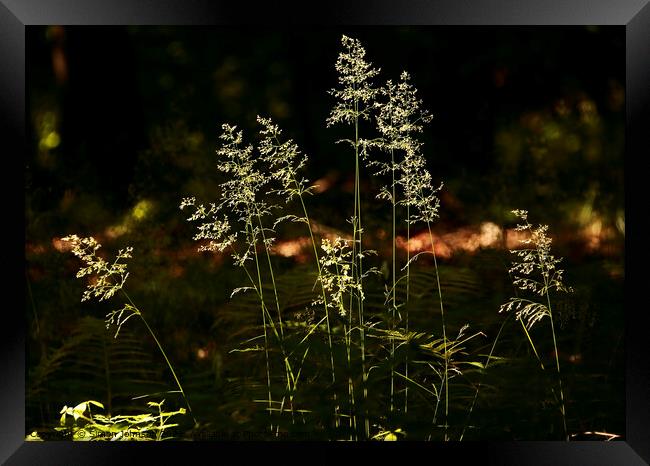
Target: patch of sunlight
<point>291,248</point>
<point>60,245</point>
<point>490,234</point>
<point>50,141</point>
<point>115,231</point>
<point>141,210</point>
<point>620,221</point>
<point>587,214</point>
<point>595,233</point>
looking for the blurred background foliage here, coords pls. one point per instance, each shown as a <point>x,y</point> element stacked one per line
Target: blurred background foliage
<point>123,123</point>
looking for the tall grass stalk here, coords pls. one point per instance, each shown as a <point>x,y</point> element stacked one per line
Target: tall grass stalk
<point>327,316</point>
<point>444,331</point>
<point>348,347</point>
<point>264,325</point>
<point>293,380</point>
<point>400,119</point>
<point>267,322</point>
<point>268,257</point>
<point>285,162</point>
<point>359,231</point>
<point>537,274</point>
<point>394,273</point>
<point>239,197</point>
<point>256,215</point>
<point>557,365</point>
<point>355,99</point>
<point>408,293</point>
<point>358,256</point>
<point>337,280</point>
<point>287,364</point>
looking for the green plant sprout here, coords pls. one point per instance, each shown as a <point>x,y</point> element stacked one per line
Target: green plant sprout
<point>83,425</point>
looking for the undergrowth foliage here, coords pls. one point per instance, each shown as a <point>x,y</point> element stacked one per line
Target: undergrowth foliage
<point>81,424</point>
<point>357,368</point>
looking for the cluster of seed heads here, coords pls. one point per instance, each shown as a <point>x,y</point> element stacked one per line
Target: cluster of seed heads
<point>241,200</point>
<point>285,161</point>
<point>356,93</point>
<point>336,274</point>
<point>535,272</point>
<point>109,277</point>
<point>400,120</point>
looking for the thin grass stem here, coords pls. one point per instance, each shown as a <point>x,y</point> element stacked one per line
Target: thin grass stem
<point>324,296</point>
<point>263,305</point>
<point>478,388</point>
<point>444,331</point>
<point>162,351</point>
<point>392,352</point>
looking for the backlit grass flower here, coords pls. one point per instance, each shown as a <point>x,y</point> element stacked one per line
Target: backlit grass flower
<point>400,121</point>
<point>284,159</point>
<point>108,278</point>
<point>239,200</point>
<point>534,272</point>
<point>400,118</point>
<point>240,193</point>
<point>215,226</point>
<point>336,278</point>
<point>420,192</point>
<point>355,79</point>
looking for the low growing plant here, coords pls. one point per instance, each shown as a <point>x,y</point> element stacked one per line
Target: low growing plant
<point>83,425</point>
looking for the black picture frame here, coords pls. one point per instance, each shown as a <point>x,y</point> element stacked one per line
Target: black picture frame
<point>633,15</point>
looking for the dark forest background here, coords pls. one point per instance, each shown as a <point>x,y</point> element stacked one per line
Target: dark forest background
<point>123,123</point>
